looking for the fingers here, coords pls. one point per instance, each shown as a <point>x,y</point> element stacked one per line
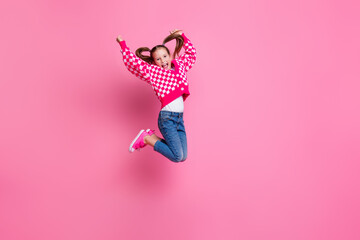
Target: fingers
<point>119,38</point>
<point>175,30</point>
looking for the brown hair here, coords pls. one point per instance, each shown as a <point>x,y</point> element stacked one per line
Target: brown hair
<point>149,59</point>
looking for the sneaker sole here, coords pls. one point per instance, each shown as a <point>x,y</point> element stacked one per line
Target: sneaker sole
<point>131,149</point>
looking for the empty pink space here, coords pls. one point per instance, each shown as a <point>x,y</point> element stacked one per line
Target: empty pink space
<point>272,122</point>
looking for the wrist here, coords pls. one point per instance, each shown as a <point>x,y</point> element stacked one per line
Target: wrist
<point>122,44</point>
<point>185,38</point>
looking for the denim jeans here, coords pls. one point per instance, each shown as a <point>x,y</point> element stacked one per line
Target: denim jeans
<point>174,145</point>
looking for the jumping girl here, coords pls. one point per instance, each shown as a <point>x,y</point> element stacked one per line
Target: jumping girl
<point>167,76</point>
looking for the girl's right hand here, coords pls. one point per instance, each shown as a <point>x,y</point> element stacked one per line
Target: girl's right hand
<point>176,31</point>
<point>119,38</point>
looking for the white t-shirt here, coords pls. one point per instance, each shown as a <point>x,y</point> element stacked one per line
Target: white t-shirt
<point>175,106</point>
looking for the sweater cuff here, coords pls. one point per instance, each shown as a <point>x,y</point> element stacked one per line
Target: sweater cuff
<point>122,44</point>
<point>185,38</point>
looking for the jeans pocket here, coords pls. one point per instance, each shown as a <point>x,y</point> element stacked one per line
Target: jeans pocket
<point>164,116</point>
<point>165,122</point>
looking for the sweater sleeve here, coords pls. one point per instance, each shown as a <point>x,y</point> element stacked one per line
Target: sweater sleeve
<point>188,58</point>
<point>134,64</point>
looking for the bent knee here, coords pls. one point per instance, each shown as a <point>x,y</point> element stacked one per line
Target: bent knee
<point>182,159</point>
<point>178,158</point>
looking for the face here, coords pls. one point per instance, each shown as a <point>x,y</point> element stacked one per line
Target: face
<point>162,58</point>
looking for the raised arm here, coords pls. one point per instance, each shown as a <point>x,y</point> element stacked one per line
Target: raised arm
<point>133,63</point>
<point>189,56</point>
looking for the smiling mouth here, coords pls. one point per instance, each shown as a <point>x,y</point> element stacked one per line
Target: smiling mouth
<point>165,65</point>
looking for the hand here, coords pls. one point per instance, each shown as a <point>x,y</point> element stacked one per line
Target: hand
<point>119,38</point>
<point>177,31</point>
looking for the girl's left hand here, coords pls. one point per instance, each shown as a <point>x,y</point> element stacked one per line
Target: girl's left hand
<point>119,38</point>
<point>176,31</point>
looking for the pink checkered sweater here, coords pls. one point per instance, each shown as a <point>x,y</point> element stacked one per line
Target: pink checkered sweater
<point>168,84</point>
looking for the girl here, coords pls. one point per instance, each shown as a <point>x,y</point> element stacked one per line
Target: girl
<point>167,76</point>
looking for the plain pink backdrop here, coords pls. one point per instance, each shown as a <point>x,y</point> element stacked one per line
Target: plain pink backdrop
<point>272,122</point>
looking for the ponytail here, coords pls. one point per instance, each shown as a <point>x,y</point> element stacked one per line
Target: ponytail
<point>149,59</point>
<point>179,42</point>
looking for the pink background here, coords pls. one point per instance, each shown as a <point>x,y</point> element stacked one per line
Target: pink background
<point>272,122</point>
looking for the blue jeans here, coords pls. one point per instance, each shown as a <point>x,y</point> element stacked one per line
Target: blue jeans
<point>174,145</point>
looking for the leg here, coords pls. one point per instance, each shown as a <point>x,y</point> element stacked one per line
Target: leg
<point>170,146</point>
<point>151,140</point>
<point>182,135</point>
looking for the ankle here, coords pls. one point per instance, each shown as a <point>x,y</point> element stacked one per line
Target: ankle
<point>146,138</point>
